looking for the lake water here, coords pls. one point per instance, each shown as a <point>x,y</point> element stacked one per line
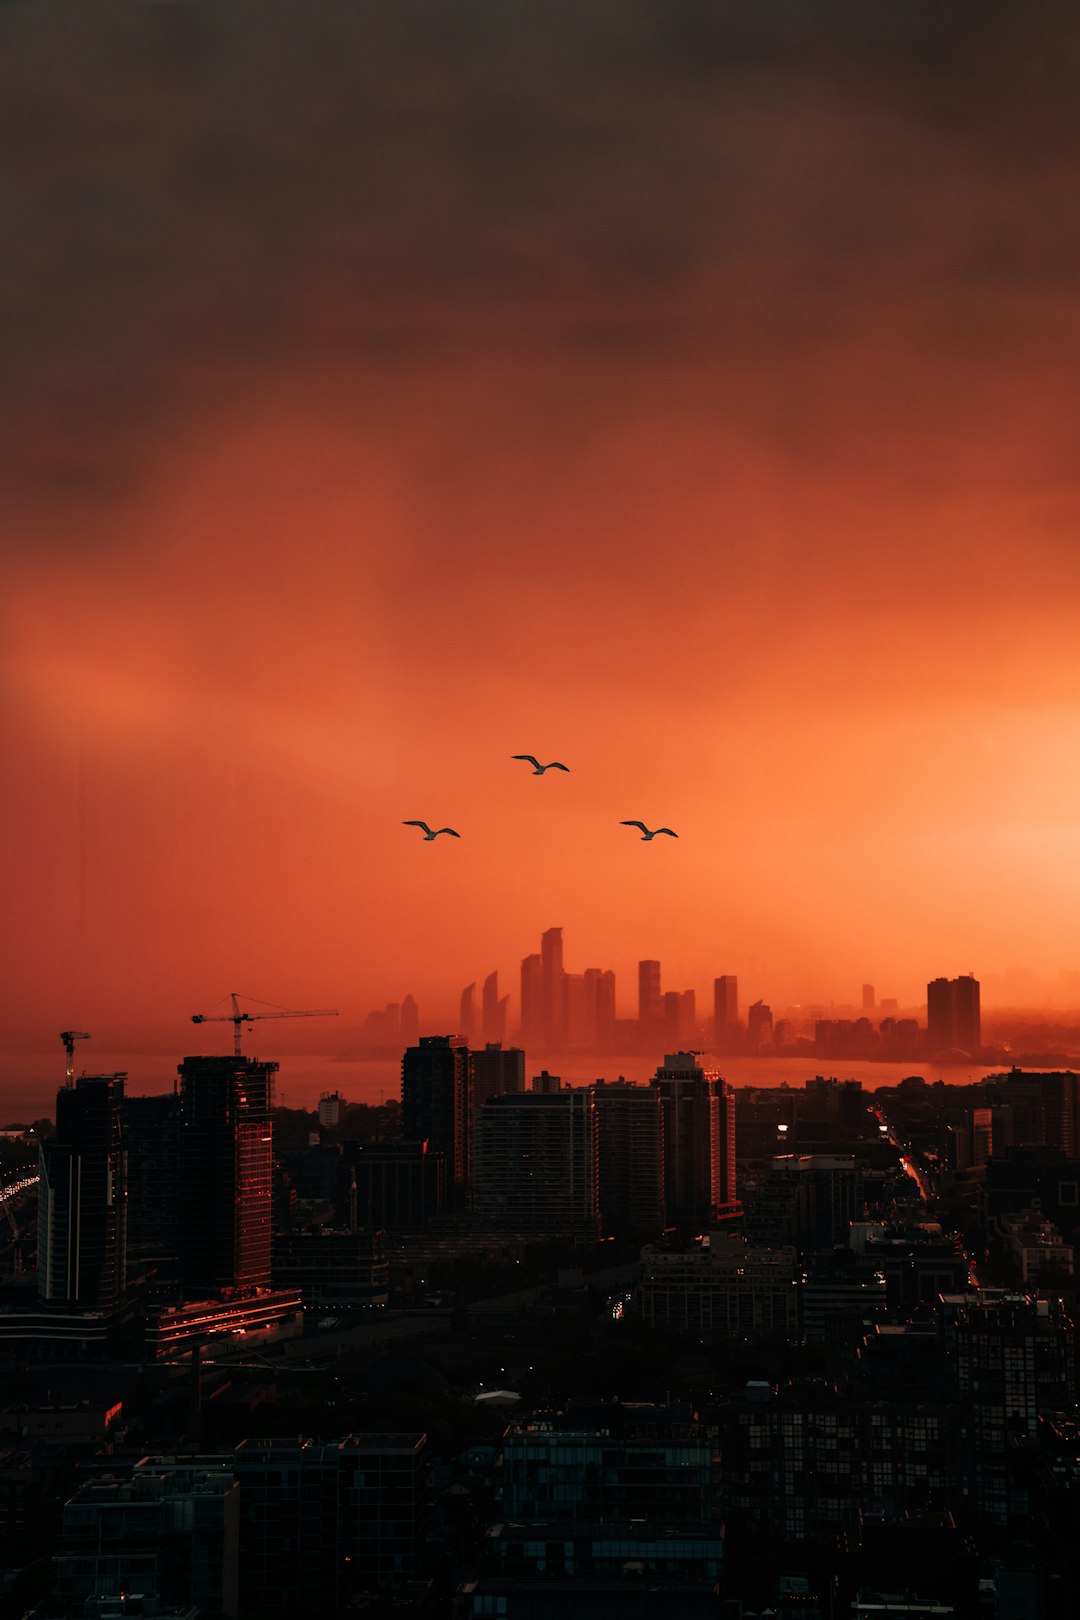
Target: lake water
<point>28,1083</point>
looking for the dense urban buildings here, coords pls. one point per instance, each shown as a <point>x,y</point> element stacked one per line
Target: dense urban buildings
<point>756,1346</point>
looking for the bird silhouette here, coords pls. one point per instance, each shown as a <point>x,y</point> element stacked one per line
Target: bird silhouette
<point>645,833</point>
<point>428,834</point>
<point>538,769</point>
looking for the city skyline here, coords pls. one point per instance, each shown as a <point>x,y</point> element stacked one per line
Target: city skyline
<point>540,1056</point>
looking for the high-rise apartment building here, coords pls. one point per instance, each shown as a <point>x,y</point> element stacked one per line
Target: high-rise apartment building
<point>82,1199</point>
<point>953,1016</point>
<point>726,1011</point>
<point>807,1199</point>
<point>226,1162</point>
<point>496,1070</point>
<point>699,1141</point>
<point>869,999</point>
<point>535,1163</point>
<point>152,1145</point>
<point>630,1157</point>
<point>436,1103</point>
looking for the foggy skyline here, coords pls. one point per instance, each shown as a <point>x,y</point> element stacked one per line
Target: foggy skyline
<point>676,390</point>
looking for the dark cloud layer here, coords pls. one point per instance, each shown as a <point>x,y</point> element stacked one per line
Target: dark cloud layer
<point>193,192</point>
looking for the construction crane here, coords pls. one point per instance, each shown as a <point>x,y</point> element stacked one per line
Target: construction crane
<point>69,1037</point>
<point>237,1018</point>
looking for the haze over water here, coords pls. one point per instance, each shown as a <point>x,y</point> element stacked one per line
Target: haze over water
<point>31,1090</point>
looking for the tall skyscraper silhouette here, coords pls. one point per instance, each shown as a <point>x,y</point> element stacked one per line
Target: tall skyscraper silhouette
<point>82,1198</point>
<point>600,999</point>
<point>493,1010</point>
<point>699,1141</point>
<point>650,1001</point>
<point>759,1026</point>
<point>226,1163</point>
<point>436,1103</point>
<point>726,1012</point>
<point>551,958</point>
<point>467,1015</point>
<point>152,1145</point>
<point>532,1001</point>
<point>953,1015</point>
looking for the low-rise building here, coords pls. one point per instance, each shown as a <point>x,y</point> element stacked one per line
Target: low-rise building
<point>721,1287</point>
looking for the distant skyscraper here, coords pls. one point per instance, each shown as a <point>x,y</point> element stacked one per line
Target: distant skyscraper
<point>869,999</point>
<point>579,1013</point>
<point>467,1015</point>
<point>759,1026</point>
<point>953,1016</point>
<point>726,1011</point>
<point>436,1101</point>
<point>226,1163</point>
<point>82,1198</point>
<point>532,1001</point>
<point>600,999</point>
<point>554,989</point>
<point>410,1022</point>
<point>330,1110</point>
<point>493,1010</point>
<point>671,1014</point>
<point>699,1141</point>
<point>650,1001</point>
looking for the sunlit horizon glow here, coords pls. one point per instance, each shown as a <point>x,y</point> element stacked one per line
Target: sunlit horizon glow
<point>720,443</point>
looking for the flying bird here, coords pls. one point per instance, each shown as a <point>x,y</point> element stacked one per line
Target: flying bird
<point>538,769</point>
<point>645,833</point>
<point>428,834</point>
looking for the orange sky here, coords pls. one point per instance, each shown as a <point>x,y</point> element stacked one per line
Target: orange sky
<point>694,403</point>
